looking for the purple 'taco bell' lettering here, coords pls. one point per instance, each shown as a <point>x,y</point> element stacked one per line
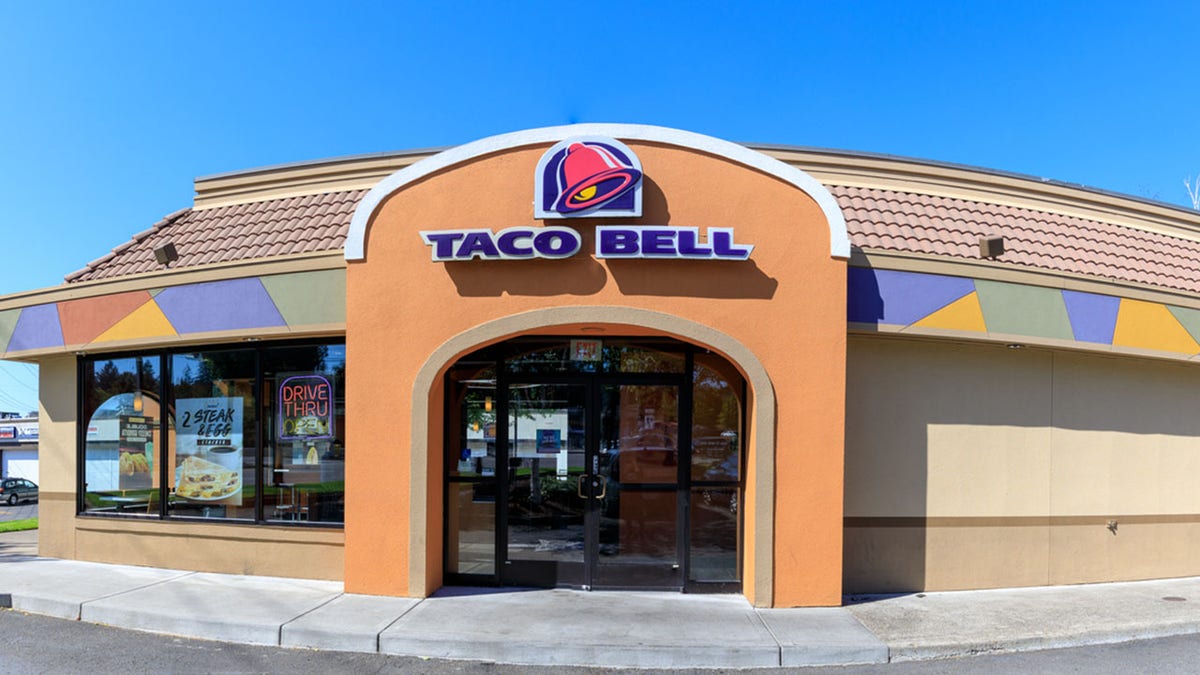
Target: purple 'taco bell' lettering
<point>644,241</point>
<point>514,243</point>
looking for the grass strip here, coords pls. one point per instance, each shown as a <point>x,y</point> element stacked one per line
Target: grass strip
<point>19,525</point>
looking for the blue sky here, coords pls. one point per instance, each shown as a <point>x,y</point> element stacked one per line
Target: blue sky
<point>111,109</point>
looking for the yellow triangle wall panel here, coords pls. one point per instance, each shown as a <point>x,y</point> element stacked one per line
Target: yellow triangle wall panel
<point>1149,325</point>
<point>962,314</point>
<point>147,321</point>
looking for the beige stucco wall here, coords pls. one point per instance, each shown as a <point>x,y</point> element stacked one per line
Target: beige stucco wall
<point>309,553</point>
<point>974,466</point>
<point>56,456</point>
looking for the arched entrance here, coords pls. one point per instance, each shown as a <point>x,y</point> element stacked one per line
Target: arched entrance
<point>594,463</point>
<point>779,316</point>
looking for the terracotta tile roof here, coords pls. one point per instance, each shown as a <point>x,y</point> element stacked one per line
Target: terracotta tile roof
<point>877,219</point>
<point>916,223</point>
<point>241,232</point>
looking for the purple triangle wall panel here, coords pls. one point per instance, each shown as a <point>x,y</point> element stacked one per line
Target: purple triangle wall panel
<point>218,306</point>
<point>38,327</point>
<point>899,298</point>
<point>1093,317</point>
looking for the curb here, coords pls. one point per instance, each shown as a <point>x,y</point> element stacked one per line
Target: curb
<point>567,628</point>
<point>899,653</point>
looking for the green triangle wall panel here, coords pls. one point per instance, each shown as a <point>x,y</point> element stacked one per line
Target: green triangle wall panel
<point>309,298</point>
<point>8,323</point>
<point>1017,309</point>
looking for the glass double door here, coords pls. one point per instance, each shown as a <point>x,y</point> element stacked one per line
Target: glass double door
<point>591,487</point>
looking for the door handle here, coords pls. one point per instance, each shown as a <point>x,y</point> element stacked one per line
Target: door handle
<point>603,484</point>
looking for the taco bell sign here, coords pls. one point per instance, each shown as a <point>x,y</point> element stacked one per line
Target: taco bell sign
<point>586,177</point>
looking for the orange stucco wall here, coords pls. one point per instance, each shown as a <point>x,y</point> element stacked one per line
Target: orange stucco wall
<point>786,305</point>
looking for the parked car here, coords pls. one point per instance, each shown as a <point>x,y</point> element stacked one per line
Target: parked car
<point>13,490</point>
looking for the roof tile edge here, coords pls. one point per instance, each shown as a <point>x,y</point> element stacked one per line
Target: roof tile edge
<point>356,172</point>
<point>135,239</point>
<point>832,167</point>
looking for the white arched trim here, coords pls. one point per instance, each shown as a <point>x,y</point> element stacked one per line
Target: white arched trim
<point>839,242</point>
<point>762,412</point>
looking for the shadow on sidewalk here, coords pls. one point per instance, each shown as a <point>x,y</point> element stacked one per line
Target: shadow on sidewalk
<point>864,598</point>
<point>18,546</point>
<point>463,591</point>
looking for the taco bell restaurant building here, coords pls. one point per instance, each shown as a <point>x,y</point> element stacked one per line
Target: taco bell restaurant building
<point>629,357</point>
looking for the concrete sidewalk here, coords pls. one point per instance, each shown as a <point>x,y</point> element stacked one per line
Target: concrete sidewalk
<point>957,623</point>
<point>562,627</point>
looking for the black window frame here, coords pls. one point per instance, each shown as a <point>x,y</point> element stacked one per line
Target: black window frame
<point>259,347</point>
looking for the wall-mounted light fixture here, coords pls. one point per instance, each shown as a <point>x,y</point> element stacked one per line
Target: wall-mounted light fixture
<point>166,254</point>
<point>991,247</point>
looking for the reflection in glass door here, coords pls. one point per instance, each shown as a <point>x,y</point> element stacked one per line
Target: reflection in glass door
<point>546,484</point>
<point>638,538</point>
<point>593,510</point>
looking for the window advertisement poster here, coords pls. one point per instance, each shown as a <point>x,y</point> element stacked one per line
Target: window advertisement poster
<point>135,436</point>
<point>549,441</point>
<point>536,434</point>
<point>306,414</point>
<point>208,450</point>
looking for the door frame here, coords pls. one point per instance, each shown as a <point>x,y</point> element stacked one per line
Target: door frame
<point>684,488</point>
<point>593,401</point>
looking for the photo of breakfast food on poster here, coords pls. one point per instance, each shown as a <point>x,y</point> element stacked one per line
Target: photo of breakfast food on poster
<point>208,458</point>
<point>136,452</point>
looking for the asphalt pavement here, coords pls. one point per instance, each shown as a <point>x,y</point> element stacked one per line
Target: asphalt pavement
<point>574,628</point>
<point>21,511</point>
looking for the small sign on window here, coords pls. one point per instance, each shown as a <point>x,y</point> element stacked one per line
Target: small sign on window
<point>549,441</point>
<point>586,350</point>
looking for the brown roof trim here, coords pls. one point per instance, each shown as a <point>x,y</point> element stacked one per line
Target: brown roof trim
<point>208,237</point>
<point>313,163</point>
<point>135,239</point>
<point>772,149</point>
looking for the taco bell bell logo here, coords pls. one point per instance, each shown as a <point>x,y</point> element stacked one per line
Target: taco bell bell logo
<point>588,176</point>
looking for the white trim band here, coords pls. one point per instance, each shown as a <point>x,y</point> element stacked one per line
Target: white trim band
<point>839,241</point>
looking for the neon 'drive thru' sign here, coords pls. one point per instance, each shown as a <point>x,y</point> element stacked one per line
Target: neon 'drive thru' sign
<point>586,177</point>
<point>306,407</point>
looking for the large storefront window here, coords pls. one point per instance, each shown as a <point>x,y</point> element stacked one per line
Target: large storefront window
<point>214,423</point>
<point>304,463</point>
<point>251,434</point>
<point>121,442</point>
